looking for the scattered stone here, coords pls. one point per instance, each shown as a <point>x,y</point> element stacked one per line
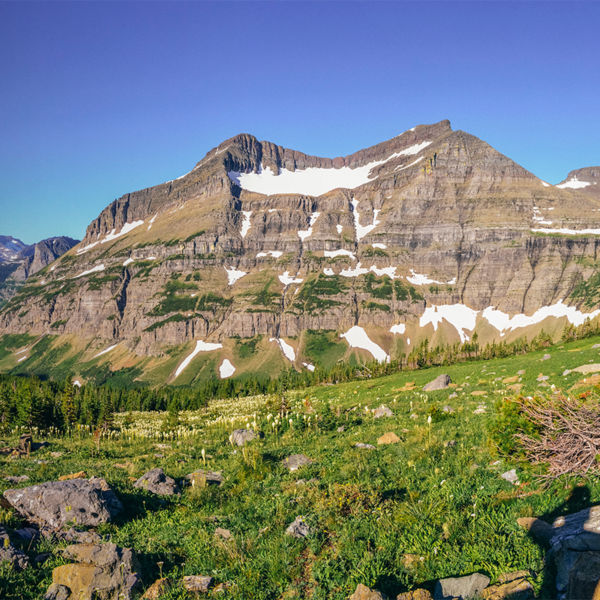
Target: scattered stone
<point>510,586</point>
<point>540,531</point>
<point>81,537</point>
<point>448,409</point>
<point>478,393</point>
<point>159,588</point>
<point>419,594</point>
<point>159,455</point>
<point>566,372</point>
<point>341,429</point>
<point>27,533</point>
<point>16,478</point>
<point>515,387</point>
<point>8,553</point>
<point>410,561</point>
<point>469,586</point>
<point>298,528</point>
<point>78,475</point>
<point>511,477</point>
<point>450,444</point>
<point>56,454</point>
<point>595,346</point>
<point>441,382</point>
<point>414,416</point>
<point>241,436</point>
<point>297,461</point>
<point>127,466</point>
<point>224,534</point>
<point>362,592</point>
<point>388,438</point>
<point>513,379</point>
<point>382,411</point>
<point>542,377</point>
<point>480,410</point>
<point>157,482</point>
<point>55,503</point>
<point>364,446</point>
<point>57,592</point>
<point>546,357</point>
<point>450,397</point>
<point>521,372</point>
<point>201,478</point>
<point>585,369</point>
<point>198,583</point>
<point>103,570</point>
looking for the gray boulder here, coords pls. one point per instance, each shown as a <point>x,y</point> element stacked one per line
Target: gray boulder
<point>99,571</point>
<point>364,446</point>
<point>55,503</point>
<point>296,461</point>
<point>8,553</point>
<point>298,528</point>
<point>202,478</point>
<point>382,411</point>
<point>198,583</point>
<point>463,588</point>
<point>241,436</point>
<point>157,482</point>
<point>441,382</point>
<point>57,592</point>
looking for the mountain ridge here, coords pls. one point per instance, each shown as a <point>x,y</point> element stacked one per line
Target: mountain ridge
<point>439,235</point>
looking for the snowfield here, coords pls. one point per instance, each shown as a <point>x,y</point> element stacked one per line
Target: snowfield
<point>313,181</point>
<point>200,347</point>
<point>226,369</point>
<point>357,338</point>
<point>287,350</point>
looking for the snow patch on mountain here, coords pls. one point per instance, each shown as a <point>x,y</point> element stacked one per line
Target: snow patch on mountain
<point>305,233</point>
<point>287,350</point>
<point>233,275</point>
<point>226,369</point>
<point>200,347</point>
<point>357,338</point>
<point>574,184</point>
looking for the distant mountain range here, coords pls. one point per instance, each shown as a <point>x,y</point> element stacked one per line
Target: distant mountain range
<point>262,257</point>
<point>18,260</point>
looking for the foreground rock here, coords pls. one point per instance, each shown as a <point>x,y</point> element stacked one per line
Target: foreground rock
<point>362,592</point>
<point>441,382</point>
<point>297,461</point>
<point>159,588</point>
<point>463,588</point>
<point>102,571</point>
<point>242,436</point>
<point>382,411</point>
<point>299,528</point>
<point>55,503</point>
<point>198,583</point>
<point>388,438</point>
<point>513,586</point>
<point>419,594</point>
<point>8,553</point>
<point>157,482</point>
<point>203,478</point>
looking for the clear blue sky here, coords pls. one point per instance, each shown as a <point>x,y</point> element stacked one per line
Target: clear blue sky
<point>97,100</point>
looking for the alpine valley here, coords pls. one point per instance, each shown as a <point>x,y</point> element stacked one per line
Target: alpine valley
<point>261,258</point>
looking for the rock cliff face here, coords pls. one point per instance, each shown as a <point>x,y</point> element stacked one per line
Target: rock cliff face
<point>432,233</point>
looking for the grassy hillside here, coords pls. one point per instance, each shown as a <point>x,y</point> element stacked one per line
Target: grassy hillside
<point>394,517</point>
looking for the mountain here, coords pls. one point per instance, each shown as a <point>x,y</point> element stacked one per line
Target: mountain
<point>18,261</point>
<point>262,257</point>
<point>10,248</point>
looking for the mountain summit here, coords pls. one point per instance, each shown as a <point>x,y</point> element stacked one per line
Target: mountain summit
<point>263,257</point>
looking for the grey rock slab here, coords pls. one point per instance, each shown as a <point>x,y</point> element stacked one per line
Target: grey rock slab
<point>298,528</point>
<point>463,588</point>
<point>297,461</point>
<point>53,504</point>
<point>198,583</point>
<point>511,476</point>
<point>364,446</point>
<point>157,482</point>
<point>202,477</point>
<point>441,382</point>
<point>8,553</point>
<point>382,411</point>
<point>239,437</point>
<point>57,592</point>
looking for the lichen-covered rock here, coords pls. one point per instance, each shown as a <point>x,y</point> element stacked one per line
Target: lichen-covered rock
<point>418,594</point>
<point>8,553</point>
<point>510,586</point>
<point>157,482</point>
<point>202,478</point>
<point>382,411</point>
<point>198,583</point>
<point>55,503</point>
<point>102,571</point>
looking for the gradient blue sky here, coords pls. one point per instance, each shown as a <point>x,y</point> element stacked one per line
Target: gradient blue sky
<point>99,99</point>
